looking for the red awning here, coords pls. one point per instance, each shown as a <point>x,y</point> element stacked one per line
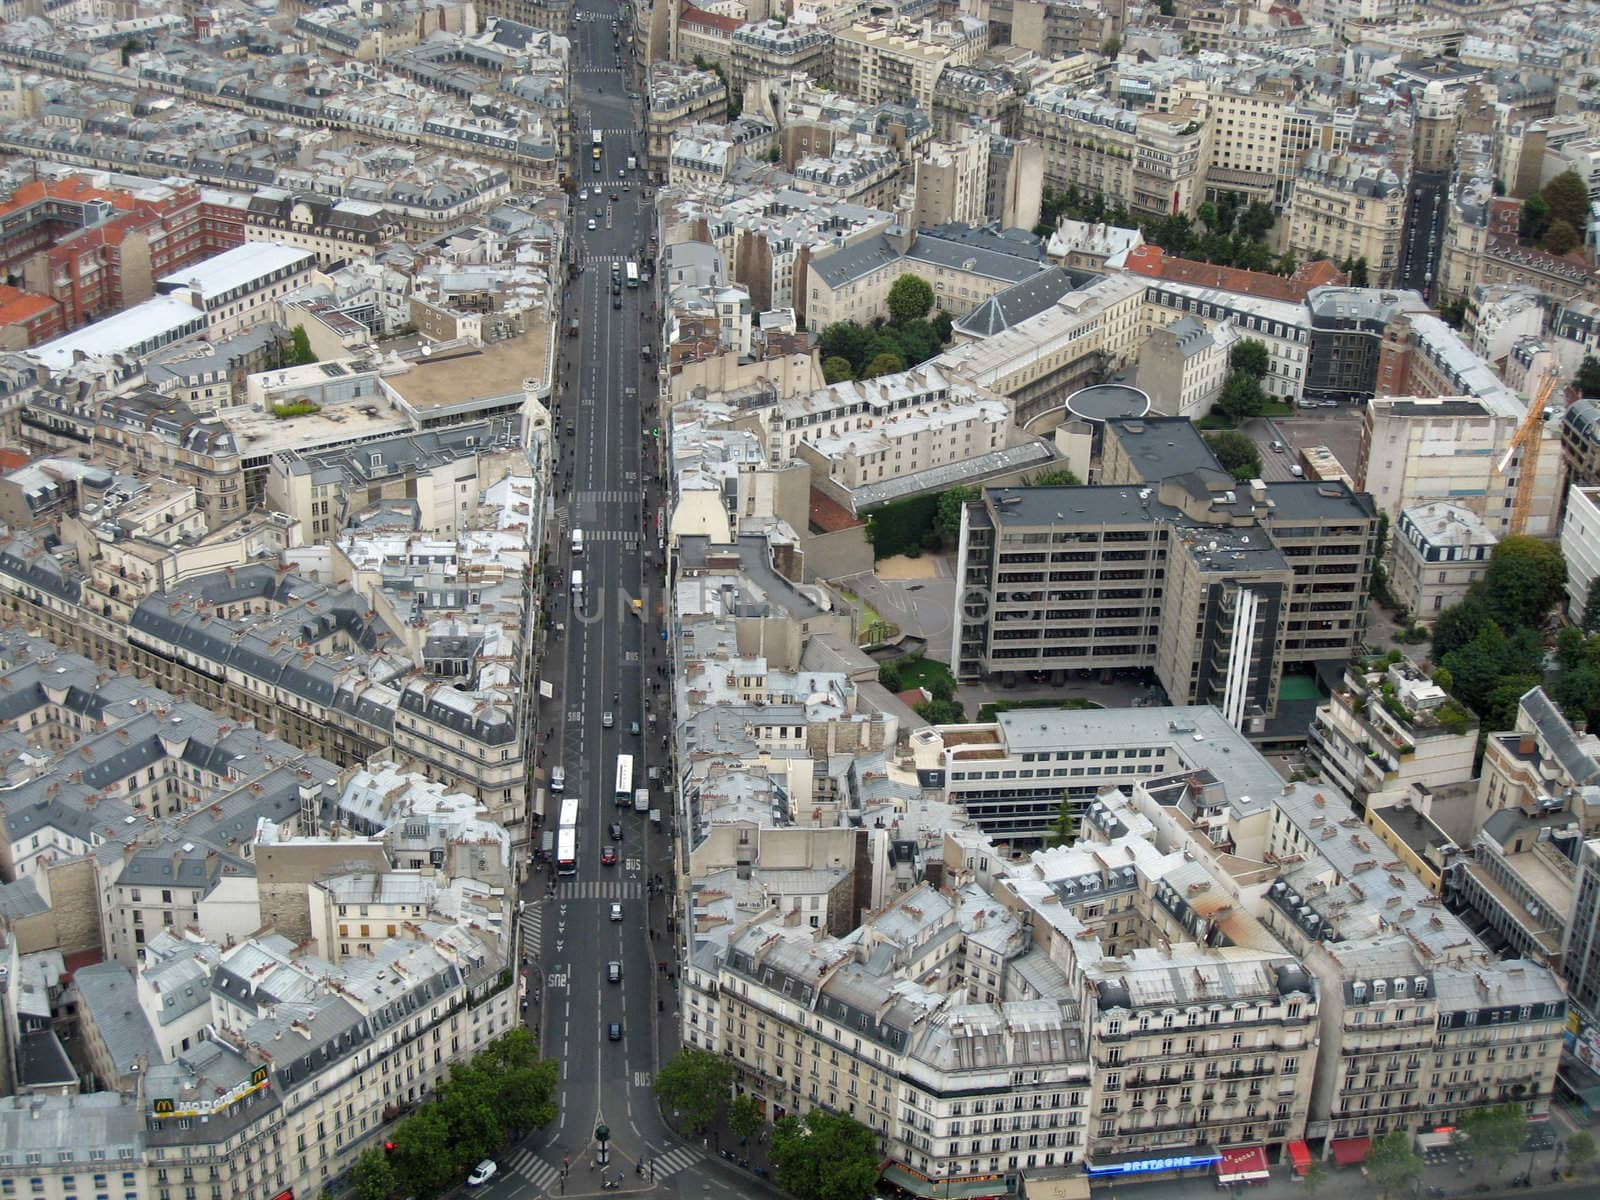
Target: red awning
<point>1300,1155</point>
<point>1242,1163</point>
<point>1347,1152</point>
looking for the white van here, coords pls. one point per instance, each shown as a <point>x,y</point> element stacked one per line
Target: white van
<point>577,583</point>
<point>558,779</point>
<point>577,541</point>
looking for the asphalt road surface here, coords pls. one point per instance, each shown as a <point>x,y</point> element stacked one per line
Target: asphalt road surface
<point>1423,235</point>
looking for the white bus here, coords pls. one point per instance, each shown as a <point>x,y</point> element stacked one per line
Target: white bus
<point>623,792</point>
<point>567,852</point>
<point>598,143</point>
<point>633,274</point>
<point>569,813</point>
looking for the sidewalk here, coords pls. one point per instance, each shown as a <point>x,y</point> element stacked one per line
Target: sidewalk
<point>1353,1183</point>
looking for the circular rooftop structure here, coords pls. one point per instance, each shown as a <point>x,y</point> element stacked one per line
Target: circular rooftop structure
<point>1102,402</point>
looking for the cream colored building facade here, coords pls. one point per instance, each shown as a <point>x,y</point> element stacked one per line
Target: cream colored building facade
<point>876,61</point>
<point>1345,209</point>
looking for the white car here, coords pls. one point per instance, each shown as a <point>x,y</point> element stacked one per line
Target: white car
<point>616,915</point>
<point>482,1173</point>
<point>591,224</point>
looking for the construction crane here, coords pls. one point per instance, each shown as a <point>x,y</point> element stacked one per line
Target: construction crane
<point>1526,440</point>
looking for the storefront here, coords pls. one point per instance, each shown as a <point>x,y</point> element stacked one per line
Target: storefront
<point>1199,1158</point>
<point>1300,1156</point>
<point>1243,1164</point>
<point>1350,1152</point>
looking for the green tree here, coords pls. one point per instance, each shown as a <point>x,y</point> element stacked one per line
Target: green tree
<point>941,712</point>
<point>883,364</point>
<point>1256,221</point>
<point>1060,477</point>
<point>1568,198</point>
<point>824,1156</point>
<point>1456,626</point>
<point>695,1084</point>
<point>1253,256</point>
<point>1064,832</point>
<point>373,1177</point>
<point>1391,1161</point>
<point>1588,376</point>
<point>1207,214</point>
<point>1570,647</point>
<point>1358,271</point>
<point>1242,398</point>
<point>1526,579</point>
<point>844,339</point>
<point>837,369</point>
<point>1533,218</point>
<point>1237,454</point>
<point>1111,47</point>
<point>300,342</point>
<point>943,325</point>
<point>1559,237</point>
<point>1580,1149</point>
<point>1286,265</point>
<point>918,339</point>
<point>910,299</point>
<point>1250,356</point>
<point>470,1101</point>
<point>1591,607</point>
<point>744,1118</point>
<point>1167,7</point>
<point>425,1160</point>
<point>1316,1175</point>
<point>1577,692</point>
<point>951,501</point>
<point>1494,1134</point>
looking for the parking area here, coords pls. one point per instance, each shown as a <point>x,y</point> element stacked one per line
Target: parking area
<point>1339,429</point>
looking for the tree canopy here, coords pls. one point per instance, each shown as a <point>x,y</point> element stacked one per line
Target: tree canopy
<point>1559,238</point>
<point>1568,198</point>
<point>695,1084</point>
<point>1391,1161</point>
<point>1237,454</point>
<point>1493,1134</point>
<point>1588,376</point>
<point>1242,397</point>
<point>824,1156</point>
<point>1251,357</point>
<point>910,299</point>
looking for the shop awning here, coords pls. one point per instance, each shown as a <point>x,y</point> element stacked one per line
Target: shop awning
<point>1300,1156</point>
<point>1347,1152</point>
<point>1240,1164</point>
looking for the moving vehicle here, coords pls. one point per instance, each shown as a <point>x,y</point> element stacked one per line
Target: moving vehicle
<point>482,1173</point>
<point>591,224</point>
<point>607,720</point>
<point>614,1031</point>
<point>577,584</point>
<point>577,541</point>
<point>597,143</point>
<point>633,274</point>
<point>547,845</point>
<point>567,852</point>
<point>623,792</point>
<point>641,800</point>
<point>608,856</point>
<point>558,779</point>
<point>633,728</point>
<point>614,971</point>
<point>616,831</point>
<point>616,911</point>
<point>633,162</point>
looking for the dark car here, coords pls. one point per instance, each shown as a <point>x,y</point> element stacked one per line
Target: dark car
<point>614,1031</point>
<point>608,857</point>
<point>616,302</point>
<point>614,971</point>
<point>616,831</point>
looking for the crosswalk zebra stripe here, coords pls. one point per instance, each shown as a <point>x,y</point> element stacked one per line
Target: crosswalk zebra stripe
<point>534,1169</point>
<point>532,923</point>
<point>673,1161</point>
<point>601,889</point>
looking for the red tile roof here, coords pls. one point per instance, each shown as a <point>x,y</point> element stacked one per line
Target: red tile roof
<point>17,306</point>
<point>73,187</point>
<point>707,20</point>
<point>1154,263</point>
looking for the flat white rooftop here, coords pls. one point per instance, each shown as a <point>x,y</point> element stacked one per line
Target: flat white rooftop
<point>156,322</point>
<point>233,268</point>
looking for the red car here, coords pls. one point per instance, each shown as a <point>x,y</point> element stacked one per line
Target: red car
<point>608,857</point>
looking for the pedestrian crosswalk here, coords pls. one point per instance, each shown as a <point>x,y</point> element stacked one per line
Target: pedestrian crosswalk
<point>610,535</point>
<point>532,929</point>
<point>669,1164</point>
<point>655,1167</point>
<point>534,1169</point>
<point>609,496</point>
<point>601,889</point>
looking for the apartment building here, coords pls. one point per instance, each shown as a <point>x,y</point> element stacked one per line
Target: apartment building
<point>1182,366</point>
<point>1347,208</point>
<point>859,170</point>
<point>1438,552</point>
<point>1521,878</point>
<point>1076,337</point>
<point>878,61</point>
<point>1414,450</point>
<point>1256,139</point>
<point>1201,1028</point>
<point>1541,763</point>
<point>1580,546</point>
<point>680,96</point>
<point>702,36</point>
<point>950,182</point>
<point>1390,731</point>
<point>1216,586</point>
<point>239,287</point>
<point>1347,327</point>
<point>1580,442</point>
<point>1580,964</point>
<point>333,230</point>
<point>854,1026</point>
<point>777,50</point>
<point>1283,327</point>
